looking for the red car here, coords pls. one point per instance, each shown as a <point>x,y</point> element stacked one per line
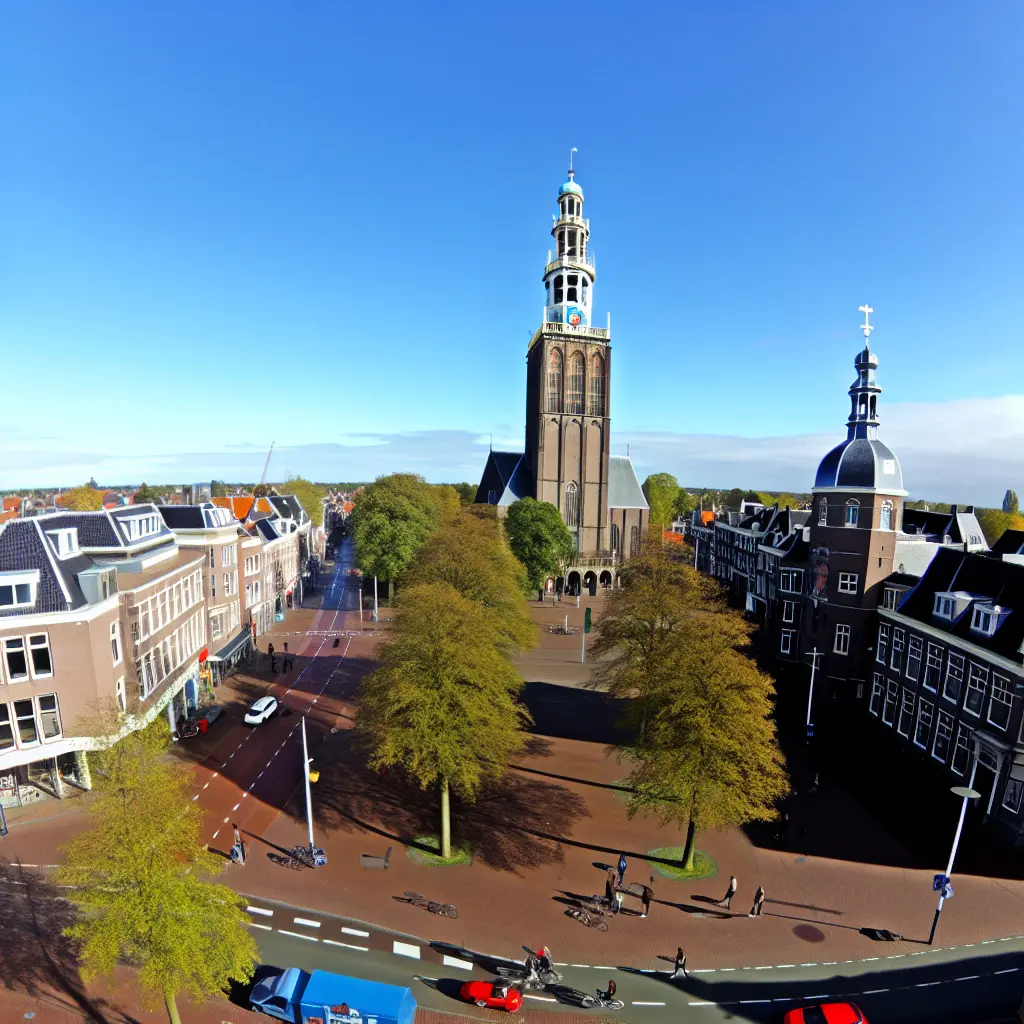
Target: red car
<point>492,994</point>
<point>827,1013</point>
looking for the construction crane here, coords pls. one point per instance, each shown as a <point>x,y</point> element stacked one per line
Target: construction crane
<point>263,480</point>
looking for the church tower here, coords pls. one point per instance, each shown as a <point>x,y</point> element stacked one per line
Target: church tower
<point>568,373</point>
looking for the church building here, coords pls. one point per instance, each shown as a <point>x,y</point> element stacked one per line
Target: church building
<point>567,461</point>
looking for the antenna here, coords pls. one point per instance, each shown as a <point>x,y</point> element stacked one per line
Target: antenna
<point>263,480</point>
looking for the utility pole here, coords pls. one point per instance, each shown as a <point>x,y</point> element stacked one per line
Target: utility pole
<point>305,773</point>
<point>375,611</point>
<point>940,883</point>
<point>810,695</point>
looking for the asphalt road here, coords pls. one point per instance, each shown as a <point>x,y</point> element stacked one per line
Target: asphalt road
<point>962,986</point>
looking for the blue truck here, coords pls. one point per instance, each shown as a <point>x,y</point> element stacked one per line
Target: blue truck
<point>299,997</point>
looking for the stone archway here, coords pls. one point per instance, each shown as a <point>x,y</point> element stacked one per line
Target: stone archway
<point>573,582</point>
<point>605,579</point>
<point>590,582</point>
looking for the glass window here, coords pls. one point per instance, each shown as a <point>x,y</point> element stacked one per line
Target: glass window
<point>788,611</point>
<point>852,512</point>
<point>933,669</point>
<point>6,729</point>
<point>1002,701</point>
<point>954,677</point>
<point>925,713</point>
<point>554,387</point>
<point>24,713</point>
<point>906,713</point>
<point>1013,794</point>
<point>49,716</point>
<point>897,648</point>
<point>842,640</point>
<point>115,642</point>
<point>14,659</point>
<point>943,737</point>
<point>892,694</point>
<point>572,506</point>
<point>596,406</point>
<point>914,658</point>
<point>882,654</point>
<point>977,684</point>
<point>122,697</point>
<point>877,691</point>
<point>39,648</point>
<point>786,642</point>
<point>615,538</point>
<point>571,293</point>
<point>823,512</point>
<point>885,516</point>
<point>848,582</point>
<point>961,751</point>
<point>577,384</point>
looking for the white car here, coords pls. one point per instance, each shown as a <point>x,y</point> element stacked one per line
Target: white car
<point>261,711</point>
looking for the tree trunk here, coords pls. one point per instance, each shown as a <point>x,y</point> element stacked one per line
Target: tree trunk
<point>172,1007</point>
<point>689,849</point>
<point>446,822</point>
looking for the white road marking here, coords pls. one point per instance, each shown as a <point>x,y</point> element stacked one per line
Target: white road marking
<point>235,808</point>
<point>748,1002</point>
<point>305,921</point>
<point>968,977</point>
<point>207,786</point>
<point>215,774</point>
<point>926,984</point>
<point>579,965</point>
<point>781,966</point>
<point>1009,970</point>
<point>543,999</point>
<point>260,910</point>
<point>636,1003</point>
<point>299,935</point>
<point>600,967</point>
<point>256,924</point>
<point>244,795</point>
<point>196,797</point>
<point>406,949</point>
<point>700,1004</point>
<point>215,834</point>
<point>454,961</point>
<point>874,991</point>
<point>347,945</point>
<point>354,931</point>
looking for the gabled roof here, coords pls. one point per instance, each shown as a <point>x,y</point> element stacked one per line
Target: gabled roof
<point>1011,543</point>
<point>24,548</point>
<point>498,472</point>
<point>624,490</point>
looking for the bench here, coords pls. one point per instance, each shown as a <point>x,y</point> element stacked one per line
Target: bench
<point>369,862</point>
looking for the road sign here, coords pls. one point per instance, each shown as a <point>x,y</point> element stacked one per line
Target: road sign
<point>938,881</point>
<point>810,730</point>
<point>947,891</point>
<point>586,621</point>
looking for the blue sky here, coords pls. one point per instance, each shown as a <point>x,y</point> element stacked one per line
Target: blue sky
<point>324,225</point>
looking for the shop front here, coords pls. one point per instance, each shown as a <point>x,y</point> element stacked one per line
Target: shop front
<point>231,655</point>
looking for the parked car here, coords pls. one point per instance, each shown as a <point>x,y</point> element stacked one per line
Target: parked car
<point>826,1013</point>
<point>495,995</point>
<point>261,711</point>
<point>201,719</point>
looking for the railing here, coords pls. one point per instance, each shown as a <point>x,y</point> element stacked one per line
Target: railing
<point>586,260</point>
<point>600,559</point>
<point>554,327</point>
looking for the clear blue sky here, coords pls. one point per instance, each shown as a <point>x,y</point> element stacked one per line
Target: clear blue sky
<point>230,224</point>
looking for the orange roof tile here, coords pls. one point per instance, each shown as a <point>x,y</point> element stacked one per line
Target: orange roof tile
<point>671,538</point>
<point>12,504</point>
<point>707,517</point>
<point>8,514</point>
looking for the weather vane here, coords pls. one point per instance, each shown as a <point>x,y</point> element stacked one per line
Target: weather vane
<point>866,327</point>
<point>571,151</point>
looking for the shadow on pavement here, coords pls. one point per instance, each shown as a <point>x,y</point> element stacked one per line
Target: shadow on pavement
<point>575,714</point>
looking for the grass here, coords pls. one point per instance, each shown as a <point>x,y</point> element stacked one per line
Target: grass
<point>703,865</point>
<point>460,854</point>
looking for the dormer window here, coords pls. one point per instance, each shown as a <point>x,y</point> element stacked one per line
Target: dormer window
<point>18,589</point>
<point>986,619</point>
<point>65,542</point>
<point>140,527</point>
<point>852,512</point>
<point>944,607</point>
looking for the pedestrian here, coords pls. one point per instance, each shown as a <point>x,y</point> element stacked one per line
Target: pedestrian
<point>609,887</point>
<point>646,895</point>
<point>755,910</point>
<point>270,652</point>
<point>287,658</point>
<point>680,968</point>
<point>726,900</point>
<point>621,868</point>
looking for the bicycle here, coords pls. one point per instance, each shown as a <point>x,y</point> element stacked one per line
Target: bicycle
<point>588,1002</point>
<point>302,857</point>
<point>417,899</point>
<point>590,919</point>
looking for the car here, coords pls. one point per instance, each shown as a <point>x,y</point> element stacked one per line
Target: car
<point>826,1013</point>
<point>261,711</point>
<point>495,995</point>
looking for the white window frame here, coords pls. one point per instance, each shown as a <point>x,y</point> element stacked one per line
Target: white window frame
<point>977,682</point>
<point>887,506</point>
<point>32,643</point>
<point>841,644</point>
<point>1013,787</point>
<point>955,665</point>
<point>64,541</point>
<point>919,657</point>
<point>786,641</point>
<point>1004,684</point>
<point>934,650</point>
<point>121,695</point>
<point>22,745</point>
<point>877,695</point>
<point>944,758</point>
<point>981,621</point>
<point>789,611</point>
<point>791,581</point>
<point>898,646</point>
<point>823,512</point>
<point>961,743</point>
<point>921,713</point>
<point>14,580</point>
<point>848,582</point>
<point>852,513</point>
<point>882,647</point>
<point>116,647</point>
<point>15,643</point>
<point>892,701</point>
<point>906,714</point>
<point>944,607</point>
<point>39,717</point>
<point>7,723</point>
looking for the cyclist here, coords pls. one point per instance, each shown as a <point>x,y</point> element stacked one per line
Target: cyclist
<point>608,996</point>
<point>545,965</point>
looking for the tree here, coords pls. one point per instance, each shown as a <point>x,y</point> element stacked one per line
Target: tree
<point>83,499</point>
<point>994,522</point>
<point>443,703</point>
<point>138,875</point>
<point>709,757</point>
<point>539,538</point>
<point>218,489</point>
<point>1010,502</point>
<point>392,518</point>
<point>661,491</point>
<point>470,554</point>
<point>685,504</point>
<point>466,492</point>
<point>260,491</point>
<point>733,499</point>
<point>311,497</point>
<point>754,496</point>
<point>146,493</point>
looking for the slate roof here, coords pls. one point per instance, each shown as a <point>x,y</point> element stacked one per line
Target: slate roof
<point>960,524</point>
<point>183,517</point>
<point>23,547</point>
<point>993,579</point>
<point>860,462</point>
<point>498,473</point>
<point>624,490</point>
<point>288,507</point>
<point>1011,543</point>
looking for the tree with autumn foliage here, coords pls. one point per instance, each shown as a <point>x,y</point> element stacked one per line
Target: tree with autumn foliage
<point>82,499</point>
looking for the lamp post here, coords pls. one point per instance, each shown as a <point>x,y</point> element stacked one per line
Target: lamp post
<point>808,726</point>
<point>941,883</point>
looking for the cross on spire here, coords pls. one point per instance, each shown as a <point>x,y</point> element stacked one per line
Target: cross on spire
<point>866,327</point>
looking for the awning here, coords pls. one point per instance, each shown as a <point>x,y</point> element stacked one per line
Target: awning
<point>233,646</point>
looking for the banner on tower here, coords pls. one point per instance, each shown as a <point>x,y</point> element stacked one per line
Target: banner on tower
<point>574,317</point>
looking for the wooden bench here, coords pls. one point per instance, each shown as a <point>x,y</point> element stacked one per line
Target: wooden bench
<point>370,862</point>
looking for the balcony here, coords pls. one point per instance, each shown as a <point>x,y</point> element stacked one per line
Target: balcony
<point>553,327</point>
<point>571,258</point>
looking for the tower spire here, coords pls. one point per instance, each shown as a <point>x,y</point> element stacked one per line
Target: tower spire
<point>866,327</point>
<point>571,171</point>
<point>569,273</point>
<point>864,391</point>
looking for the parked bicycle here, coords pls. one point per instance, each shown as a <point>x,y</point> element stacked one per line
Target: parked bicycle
<point>589,918</point>
<point>417,899</point>
<point>302,857</point>
<point>588,1002</point>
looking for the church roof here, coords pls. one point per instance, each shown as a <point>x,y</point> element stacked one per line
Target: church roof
<point>570,186</point>
<point>624,490</point>
<point>861,462</point>
<point>507,476</point>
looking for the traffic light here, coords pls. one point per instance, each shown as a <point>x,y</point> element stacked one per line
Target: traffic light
<point>586,621</point>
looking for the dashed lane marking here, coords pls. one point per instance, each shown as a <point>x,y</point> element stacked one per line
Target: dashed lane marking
<point>879,991</point>
<point>260,910</point>
<point>966,977</point>
<point>347,945</point>
<point>926,984</point>
<point>1009,970</point>
<point>214,836</point>
<point>406,949</point>
<point>306,921</point>
<point>354,931</point>
<point>299,935</point>
<point>454,961</point>
<point>235,808</point>
<point>207,786</point>
<point>264,927</point>
<point>639,1003</point>
<point>542,999</point>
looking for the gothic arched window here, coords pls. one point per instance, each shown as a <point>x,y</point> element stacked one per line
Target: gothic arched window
<point>852,512</point>
<point>615,541</point>
<point>823,512</point>
<point>596,386</point>
<point>554,388</point>
<point>572,506</point>
<point>885,517</point>
<point>634,541</point>
<point>577,384</point>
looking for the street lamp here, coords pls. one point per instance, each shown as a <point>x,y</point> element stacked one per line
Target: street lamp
<point>941,882</point>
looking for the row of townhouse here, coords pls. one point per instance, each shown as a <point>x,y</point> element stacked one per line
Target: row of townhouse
<point>827,584</point>
<point>138,610</point>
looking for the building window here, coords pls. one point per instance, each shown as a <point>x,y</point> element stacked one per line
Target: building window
<point>823,512</point>
<point>885,516</point>
<point>892,695</point>
<point>554,402</point>
<point>789,611</point>
<point>14,659</point>
<point>1002,701</point>
<point>577,384</point>
<point>882,653</point>
<point>634,541</point>
<point>914,658</point>
<point>943,735</point>
<point>49,716</point>
<point>65,542</point>
<point>213,562</point>
<point>977,684</point>
<point>115,642</point>
<point>925,713</point>
<point>933,668</point>
<point>961,751</point>
<point>897,649</point>
<point>842,640</point>
<point>24,714</point>
<point>791,580</point>
<point>1013,794</point>
<point>18,590</point>
<point>572,505</point>
<point>889,596</point>
<point>852,512</point>
<point>39,650</point>
<point>122,697</point>
<point>615,538</point>
<point>877,690</point>
<point>848,582</point>
<point>786,642</point>
<point>944,607</point>
<point>596,406</point>
<point>954,677</point>
<point>906,718</point>
<point>6,729</point>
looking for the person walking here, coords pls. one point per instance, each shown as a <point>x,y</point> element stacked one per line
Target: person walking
<point>756,909</point>
<point>726,900</point>
<point>273,660</point>
<point>646,895</point>
<point>609,887</point>
<point>680,967</point>
<point>621,868</point>
<point>287,659</point>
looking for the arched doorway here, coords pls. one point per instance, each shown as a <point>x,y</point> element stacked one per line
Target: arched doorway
<point>606,579</point>
<point>590,582</point>
<point>573,582</point>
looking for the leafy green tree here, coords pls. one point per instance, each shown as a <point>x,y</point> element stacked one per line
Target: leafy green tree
<point>994,522</point>
<point>83,499</point>
<point>218,489</point>
<point>470,554</point>
<point>146,493</point>
<point>466,492</point>
<point>685,503</point>
<point>392,518</point>
<point>1010,502</point>
<point>709,757</point>
<point>443,703</point>
<point>311,497</point>
<point>661,491</point>
<point>261,491</point>
<point>733,499</point>
<point>539,538</point>
<point>754,496</point>
<point>139,877</point>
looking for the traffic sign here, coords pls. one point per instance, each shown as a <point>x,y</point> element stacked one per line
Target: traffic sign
<point>938,881</point>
